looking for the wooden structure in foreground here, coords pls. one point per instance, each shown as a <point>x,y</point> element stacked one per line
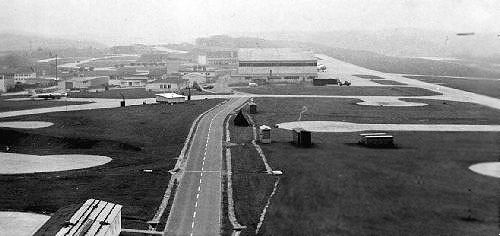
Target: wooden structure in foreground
<point>94,217</point>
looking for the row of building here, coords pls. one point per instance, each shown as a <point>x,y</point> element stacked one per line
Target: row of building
<point>266,65</point>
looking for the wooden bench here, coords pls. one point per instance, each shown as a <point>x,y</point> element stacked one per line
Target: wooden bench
<point>94,217</point>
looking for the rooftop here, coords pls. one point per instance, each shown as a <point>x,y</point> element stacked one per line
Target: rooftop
<point>168,80</point>
<point>81,79</point>
<point>274,54</point>
<point>170,95</point>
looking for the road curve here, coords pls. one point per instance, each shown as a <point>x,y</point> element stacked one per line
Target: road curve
<point>196,209</point>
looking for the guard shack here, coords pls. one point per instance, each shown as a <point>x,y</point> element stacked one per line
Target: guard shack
<point>252,107</point>
<point>301,137</point>
<point>265,134</point>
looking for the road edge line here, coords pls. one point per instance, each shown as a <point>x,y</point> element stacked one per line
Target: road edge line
<point>180,160</point>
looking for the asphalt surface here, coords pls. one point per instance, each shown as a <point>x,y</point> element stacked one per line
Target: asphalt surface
<point>196,209</point>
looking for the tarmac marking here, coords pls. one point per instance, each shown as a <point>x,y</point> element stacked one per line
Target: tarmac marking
<point>202,170</point>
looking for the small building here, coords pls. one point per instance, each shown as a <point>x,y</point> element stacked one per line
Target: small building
<point>167,85</point>
<point>222,57</point>
<point>265,134</point>
<point>170,98</point>
<point>301,137</point>
<point>129,81</point>
<point>6,83</point>
<point>24,77</point>
<point>85,82</point>
<point>324,80</point>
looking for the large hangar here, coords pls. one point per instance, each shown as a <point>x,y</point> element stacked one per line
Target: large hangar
<point>276,65</point>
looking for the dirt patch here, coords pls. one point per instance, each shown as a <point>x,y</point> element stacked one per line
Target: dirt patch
<point>20,223</point>
<point>15,163</point>
<point>488,168</point>
<point>338,90</point>
<point>26,124</point>
<point>337,126</point>
<point>388,101</point>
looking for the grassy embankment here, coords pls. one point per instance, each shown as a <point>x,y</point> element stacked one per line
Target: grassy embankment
<point>423,187</point>
<point>480,86</point>
<point>136,137</point>
<point>251,184</point>
<point>402,65</point>
<point>132,93</point>
<point>6,105</point>
<point>299,89</point>
<point>380,80</point>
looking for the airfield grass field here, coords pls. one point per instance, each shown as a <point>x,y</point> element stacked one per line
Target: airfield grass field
<point>380,80</point>
<point>138,138</point>
<point>489,87</point>
<point>131,93</point>
<point>251,184</point>
<point>115,93</point>
<point>307,89</point>
<point>337,187</point>
<point>6,105</point>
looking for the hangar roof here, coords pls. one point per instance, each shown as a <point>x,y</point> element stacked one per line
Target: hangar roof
<point>274,54</point>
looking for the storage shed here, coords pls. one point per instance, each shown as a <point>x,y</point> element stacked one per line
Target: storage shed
<point>265,134</point>
<point>301,137</point>
<point>252,107</point>
<point>170,98</point>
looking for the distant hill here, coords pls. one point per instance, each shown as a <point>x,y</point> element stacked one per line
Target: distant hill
<point>23,42</point>
<point>406,42</point>
<point>224,41</point>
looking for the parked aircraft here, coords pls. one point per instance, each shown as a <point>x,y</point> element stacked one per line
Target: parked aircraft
<point>321,67</point>
<point>52,95</point>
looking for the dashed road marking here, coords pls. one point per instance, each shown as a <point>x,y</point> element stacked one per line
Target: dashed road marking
<point>202,170</point>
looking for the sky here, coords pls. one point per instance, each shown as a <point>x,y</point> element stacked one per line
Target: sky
<point>163,21</point>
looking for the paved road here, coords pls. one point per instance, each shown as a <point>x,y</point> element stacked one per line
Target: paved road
<point>197,204</point>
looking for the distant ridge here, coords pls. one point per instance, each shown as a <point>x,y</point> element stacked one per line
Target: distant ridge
<point>401,42</point>
<point>16,41</point>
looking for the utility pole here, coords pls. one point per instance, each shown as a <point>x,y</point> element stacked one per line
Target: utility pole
<point>56,67</point>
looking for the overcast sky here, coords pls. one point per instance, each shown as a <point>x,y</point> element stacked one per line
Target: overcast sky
<point>162,21</point>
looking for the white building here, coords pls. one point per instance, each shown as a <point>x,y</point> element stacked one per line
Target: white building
<point>24,77</point>
<point>170,98</point>
<point>222,57</point>
<point>6,83</point>
<point>129,82</point>
<point>167,85</point>
<point>276,65</point>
